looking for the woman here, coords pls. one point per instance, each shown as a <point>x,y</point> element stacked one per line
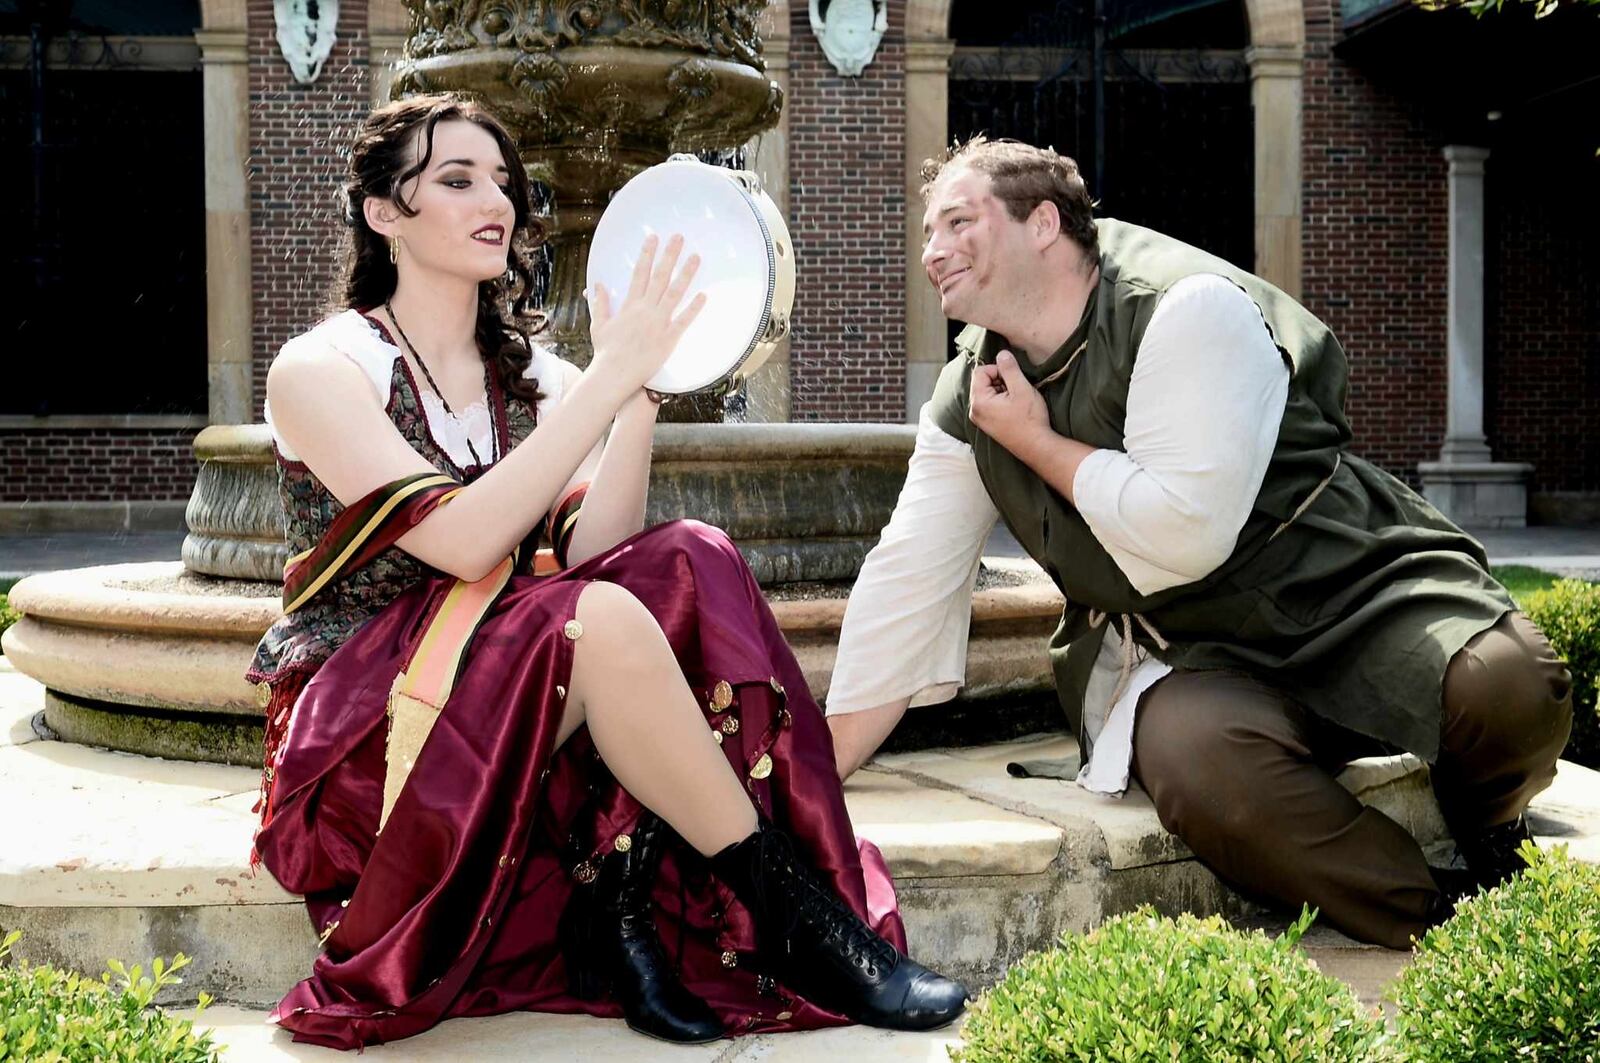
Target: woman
<point>461,755</point>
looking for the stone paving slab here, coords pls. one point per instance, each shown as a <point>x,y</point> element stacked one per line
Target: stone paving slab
<point>1123,830</point>
<point>21,699</point>
<point>114,829</point>
<point>926,833</point>
<point>523,1035</point>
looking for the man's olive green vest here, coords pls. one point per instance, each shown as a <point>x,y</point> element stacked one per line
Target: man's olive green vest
<point>1354,609</point>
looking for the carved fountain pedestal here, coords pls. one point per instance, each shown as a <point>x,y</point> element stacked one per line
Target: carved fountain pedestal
<point>594,93</point>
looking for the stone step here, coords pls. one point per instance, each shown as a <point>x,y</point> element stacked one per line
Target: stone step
<point>115,855</point>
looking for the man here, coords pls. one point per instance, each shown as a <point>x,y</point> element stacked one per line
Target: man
<point>1249,606</point>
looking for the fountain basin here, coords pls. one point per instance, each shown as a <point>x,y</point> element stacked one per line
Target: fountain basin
<point>150,658</point>
<point>591,116</point>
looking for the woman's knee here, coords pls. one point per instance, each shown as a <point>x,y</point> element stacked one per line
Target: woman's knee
<point>610,612</point>
<point>698,539</point>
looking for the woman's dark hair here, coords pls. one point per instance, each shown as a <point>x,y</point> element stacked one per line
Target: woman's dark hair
<point>394,145</point>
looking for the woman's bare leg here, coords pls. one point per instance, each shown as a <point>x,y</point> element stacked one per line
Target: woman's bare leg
<point>646,724</point>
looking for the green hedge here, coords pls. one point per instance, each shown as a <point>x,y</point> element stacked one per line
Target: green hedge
<point>1569,614</point>
<point>1514,976</point>
<point>8,615</point>
<point>51,1016</point>
<point>1141,987</point>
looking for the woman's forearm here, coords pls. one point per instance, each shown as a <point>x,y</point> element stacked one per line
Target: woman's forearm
<point>614,507</point>
<point>490,516</point>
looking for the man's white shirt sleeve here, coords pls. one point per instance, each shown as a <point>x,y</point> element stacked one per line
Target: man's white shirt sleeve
<point>1204,406</point>
<point>905,627</point>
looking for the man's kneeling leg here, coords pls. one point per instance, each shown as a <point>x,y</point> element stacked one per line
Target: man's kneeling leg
<point>1245,776</point>
<point>1507,713</point>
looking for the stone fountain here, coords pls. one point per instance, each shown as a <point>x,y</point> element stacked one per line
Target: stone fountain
<point>150,658</point>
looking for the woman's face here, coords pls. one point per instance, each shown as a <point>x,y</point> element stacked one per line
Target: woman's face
<point>464,214</point>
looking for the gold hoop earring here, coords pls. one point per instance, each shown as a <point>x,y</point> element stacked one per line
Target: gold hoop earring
<point>394,250</point>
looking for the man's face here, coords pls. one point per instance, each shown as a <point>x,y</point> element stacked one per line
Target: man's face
<point>970,246</point>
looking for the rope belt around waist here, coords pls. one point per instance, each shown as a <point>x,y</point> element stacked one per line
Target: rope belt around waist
<point>1129,651</point>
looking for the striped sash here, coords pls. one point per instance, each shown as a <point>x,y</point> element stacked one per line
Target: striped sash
<point>364,530</point>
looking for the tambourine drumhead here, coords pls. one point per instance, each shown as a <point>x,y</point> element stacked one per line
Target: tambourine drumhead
<point>723,224</point>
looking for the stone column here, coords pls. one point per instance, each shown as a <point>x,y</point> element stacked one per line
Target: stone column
<point>927,133</point>
<point>1276,71</point>
<point>387,25</point>
<point>386,49</point>
<point>767,393</point>
<point>226,103</point>
<point>1466,484</point>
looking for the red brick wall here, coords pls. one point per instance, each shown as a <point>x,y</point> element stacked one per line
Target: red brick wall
<point>1374,238</point>
<point>97,464</point>
<point>1542,364</point>
<point>847,218</point>
<point>299,142</point>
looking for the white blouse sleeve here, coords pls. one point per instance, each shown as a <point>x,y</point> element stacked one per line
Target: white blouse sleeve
<point>354,337</point>
<point>905,626</point>
<point>1204,406</point>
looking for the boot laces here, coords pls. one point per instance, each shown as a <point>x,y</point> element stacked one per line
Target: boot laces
<point>807,903</point>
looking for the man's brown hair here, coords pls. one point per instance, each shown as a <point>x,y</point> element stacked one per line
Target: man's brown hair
<point>1022,177</point>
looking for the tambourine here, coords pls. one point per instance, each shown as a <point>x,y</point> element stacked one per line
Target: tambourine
<point>746,266</point>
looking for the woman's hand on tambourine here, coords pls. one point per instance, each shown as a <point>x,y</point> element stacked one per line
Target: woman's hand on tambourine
<point>631,342</point>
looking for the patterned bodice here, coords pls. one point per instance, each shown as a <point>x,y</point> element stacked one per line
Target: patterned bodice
<point>306,638</point>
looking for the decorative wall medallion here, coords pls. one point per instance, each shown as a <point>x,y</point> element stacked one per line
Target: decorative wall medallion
<point>305,34</point>
<point>850,32</point>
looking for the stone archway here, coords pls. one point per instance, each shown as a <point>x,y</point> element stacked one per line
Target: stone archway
<point>225,89</point>
<point>1277,62</point>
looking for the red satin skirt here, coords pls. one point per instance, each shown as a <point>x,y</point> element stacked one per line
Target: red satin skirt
<point>452,909</point>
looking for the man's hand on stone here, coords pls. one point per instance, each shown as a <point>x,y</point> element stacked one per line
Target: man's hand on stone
<point>1006,407</point>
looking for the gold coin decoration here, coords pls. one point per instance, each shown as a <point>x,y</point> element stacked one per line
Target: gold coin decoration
<point>573,630</point>
<point>721,695</point>
<point>730,958</point>
<point>730,726</point>
<point>623,843</point>
<point>763,767</point>
<point>263,694</point>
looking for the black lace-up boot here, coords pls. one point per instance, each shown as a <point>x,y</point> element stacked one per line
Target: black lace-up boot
<point>816,945</point>
<point>609,939</point>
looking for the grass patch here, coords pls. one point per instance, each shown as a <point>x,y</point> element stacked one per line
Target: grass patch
<point>1522,580</point>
